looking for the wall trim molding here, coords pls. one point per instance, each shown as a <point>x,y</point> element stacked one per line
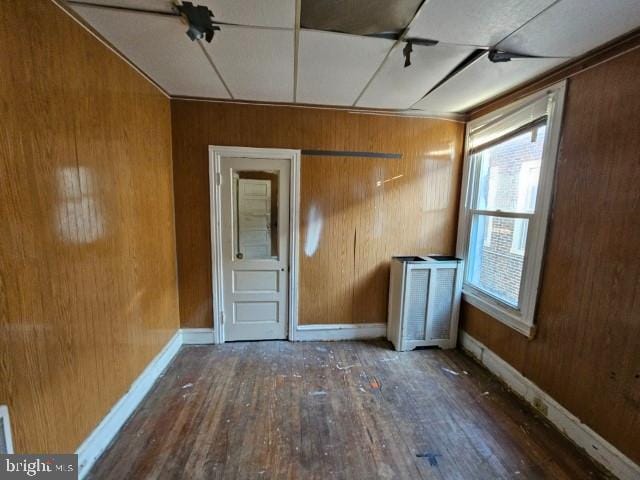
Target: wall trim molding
<point>100,438</point>
<point>570,425</point>
<point>347,331</point>
<point>197,336</point>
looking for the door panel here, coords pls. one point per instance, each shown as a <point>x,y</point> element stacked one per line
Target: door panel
<point>255,281</point>
<point>255,247</point>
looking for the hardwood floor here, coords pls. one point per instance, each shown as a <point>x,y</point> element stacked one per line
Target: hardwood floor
<point>340,410</point>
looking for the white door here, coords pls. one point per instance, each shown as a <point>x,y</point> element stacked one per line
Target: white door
<point>255,247</point>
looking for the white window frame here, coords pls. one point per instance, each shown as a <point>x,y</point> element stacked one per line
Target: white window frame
<point>522,319</point>
<point>516,240</point>
<point>518,228</point>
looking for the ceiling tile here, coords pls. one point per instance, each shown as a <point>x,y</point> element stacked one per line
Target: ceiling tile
<point>158,45</point>
<point>397,87</point>
<point>358,17</point>
<point>333,68</point>
<point>573,27</point>
<point>473,22</point>
<point>256,64</point>
<point>155,5</point>
<point>271,13</point>
<point>482,81</point>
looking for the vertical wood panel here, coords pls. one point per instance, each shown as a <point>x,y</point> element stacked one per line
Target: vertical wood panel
<point>345,279</point>
<point>87,252</point>
<point>587,350</point>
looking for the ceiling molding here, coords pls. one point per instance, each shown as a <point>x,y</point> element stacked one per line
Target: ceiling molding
<point>453,117</point>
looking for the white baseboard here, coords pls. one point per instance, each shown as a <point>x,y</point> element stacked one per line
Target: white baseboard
<point>197,336</point>
<point>350,331</point>
<point>103,434</point>
<point>595,446</point>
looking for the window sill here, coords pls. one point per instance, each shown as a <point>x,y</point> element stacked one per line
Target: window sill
<point>499,313</point>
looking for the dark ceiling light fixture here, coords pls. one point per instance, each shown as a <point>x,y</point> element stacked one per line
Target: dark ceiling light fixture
<point>199,18</point>
<point>406,51</point>
<point>200,21</point>
<point>493,54</point>
<point>408,48</point>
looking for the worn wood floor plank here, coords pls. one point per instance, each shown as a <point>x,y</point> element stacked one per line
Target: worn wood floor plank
<point>339,410</point>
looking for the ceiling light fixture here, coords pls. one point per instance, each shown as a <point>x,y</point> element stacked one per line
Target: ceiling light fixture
<point>200,21</point>
<point>408,48</point>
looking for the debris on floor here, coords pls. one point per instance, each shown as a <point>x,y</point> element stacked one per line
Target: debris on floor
<point>448,370</point>
<point>319,392</point>
<point>187,385</point>
<point>389,359</point>
<point>375,384</point>
<point>432,457</point>
<point>346,368</point>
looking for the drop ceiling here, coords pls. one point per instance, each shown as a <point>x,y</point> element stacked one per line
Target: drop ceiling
<point>262,54</point>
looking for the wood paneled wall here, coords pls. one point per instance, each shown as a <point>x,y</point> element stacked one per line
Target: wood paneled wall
<point>586,353</point>
<point>355,212</point>
<point>87,252</point>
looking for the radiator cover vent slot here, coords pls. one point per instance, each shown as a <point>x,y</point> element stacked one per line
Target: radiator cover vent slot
<point>442,303</point>
<point>417,304</point>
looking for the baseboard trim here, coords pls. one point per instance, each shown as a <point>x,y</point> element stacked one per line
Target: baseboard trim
<point>96,443</point>
<point>197,336</point>
<point>332,332</point>
<point>595,446</point>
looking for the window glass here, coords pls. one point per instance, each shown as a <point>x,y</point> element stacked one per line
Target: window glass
<point>509,173</point>
<point>256,215</point>
<point>493,267</point>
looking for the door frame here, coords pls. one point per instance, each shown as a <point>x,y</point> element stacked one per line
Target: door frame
<point>215,204</point>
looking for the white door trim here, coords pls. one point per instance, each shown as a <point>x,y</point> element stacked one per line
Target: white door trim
<point>215,153</point>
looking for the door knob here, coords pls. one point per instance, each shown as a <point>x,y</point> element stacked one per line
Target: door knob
<point>239,256</point>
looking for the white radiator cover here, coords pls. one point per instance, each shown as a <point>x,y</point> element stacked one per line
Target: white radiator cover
<point>424,302</point>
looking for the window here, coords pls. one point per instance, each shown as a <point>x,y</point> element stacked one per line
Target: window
<point>509,167</point>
